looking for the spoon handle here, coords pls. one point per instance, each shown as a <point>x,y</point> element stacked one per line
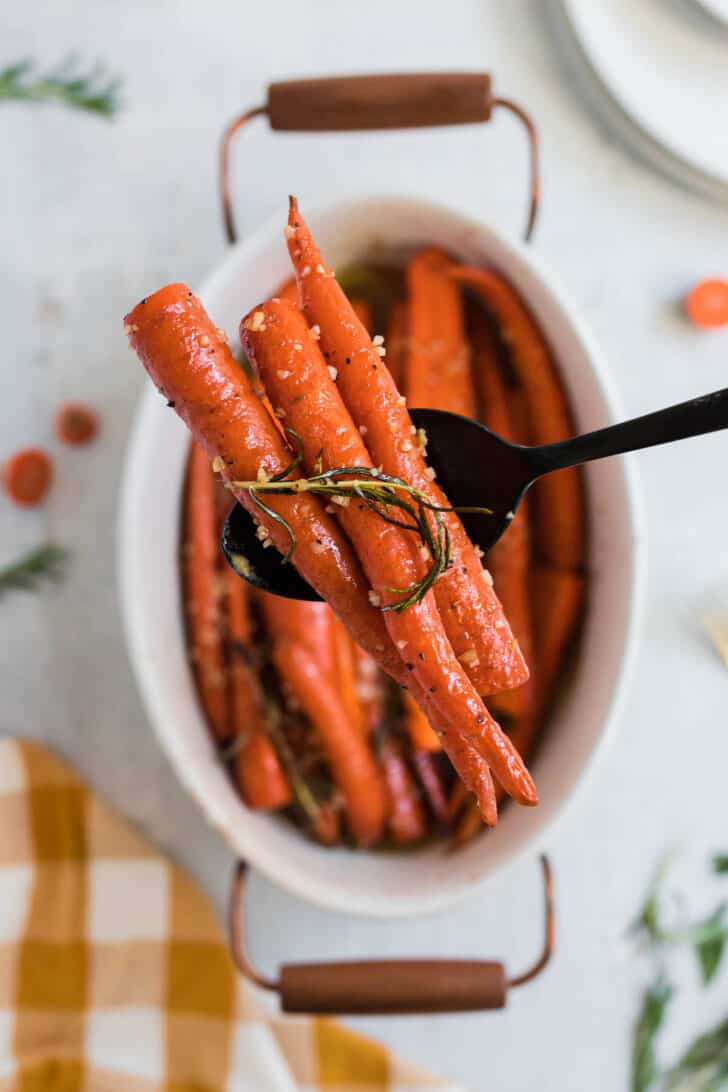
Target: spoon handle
<point>708,413</point>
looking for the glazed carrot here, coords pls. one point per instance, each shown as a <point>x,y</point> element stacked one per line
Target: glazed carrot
<point>76,423</point>
<point>397,342</point>
<point>557,603</point>
<point>508,560</point>
<point>258,769</point>
<point>363,312</point>
<point>344,676</point>
<point>260,776</point>
<point>558,600</point>
<point>474,620</point>
<point>406,819</point>
<point>27,476</point>
<point>311,624</point>
<point>558,499</point>
<point>425,765</point>
<point>189,360</point>
<point>203,580</point>
<point>352,763</point>
<point>437,373</point>
<point>295,374</point>
<point>419,728</point>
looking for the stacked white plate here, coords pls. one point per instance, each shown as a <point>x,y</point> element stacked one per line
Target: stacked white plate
<point>657,70</point>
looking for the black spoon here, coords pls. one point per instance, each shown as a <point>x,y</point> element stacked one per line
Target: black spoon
<point>476,467</point>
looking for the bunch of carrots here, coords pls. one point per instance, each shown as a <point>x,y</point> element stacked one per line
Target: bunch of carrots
<point>370,717</point>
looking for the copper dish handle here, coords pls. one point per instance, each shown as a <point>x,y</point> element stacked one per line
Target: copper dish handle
<point>391,986</point>
<point>405,101</point>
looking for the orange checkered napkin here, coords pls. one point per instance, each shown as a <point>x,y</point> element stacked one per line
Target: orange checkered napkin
<point>116,977</point>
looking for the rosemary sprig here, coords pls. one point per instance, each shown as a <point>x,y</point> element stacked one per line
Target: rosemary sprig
<point>46,562</point>
<point>395,500</point>
<point>94,91</point>
<point>704,1065</point>
<point>645,1068</point>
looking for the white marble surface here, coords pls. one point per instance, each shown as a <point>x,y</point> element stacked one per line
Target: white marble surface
<point>94,215</point>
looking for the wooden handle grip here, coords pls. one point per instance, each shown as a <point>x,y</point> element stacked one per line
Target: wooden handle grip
<point>405,101</point>
<point>392,986</point>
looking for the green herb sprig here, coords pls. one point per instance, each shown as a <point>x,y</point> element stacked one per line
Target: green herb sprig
<point>94,91</point>
<point>704,1066</point>
<point>46,562</point>
<point>645,1068</point>
<point>708,936</point>
<point>395,500</point>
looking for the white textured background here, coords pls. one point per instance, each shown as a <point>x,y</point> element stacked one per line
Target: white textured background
<point>93,216</point>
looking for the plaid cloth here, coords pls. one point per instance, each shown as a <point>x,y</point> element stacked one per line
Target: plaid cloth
<point>115,975</point>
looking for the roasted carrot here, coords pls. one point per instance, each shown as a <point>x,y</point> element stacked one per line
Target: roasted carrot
<point>425,764</point>
<point>397,342</point>
<point>344,676</point>
<point>259,774</point>
<point>419,728</point>
<point>189,360</point>
<point>352,763</point>
<point>27,476</point>
<point>406,819</point>
<point>311,624</point>
<point>203,581</point>
<point>558,600</point>
<point>474,620</point>
<point>558,499</point>
<point>437,372</point>
<point>295,373</point>
<point>508,560</point>
<point>258,768</point>
<point>707,303</point>
<point>363,312</point>
<point>76,424</point>
<point>315,626</point>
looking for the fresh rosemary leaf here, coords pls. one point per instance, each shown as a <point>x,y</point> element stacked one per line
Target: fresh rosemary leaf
<point>710,949</point>
<point>704,1065</point>
<point>46,562</point>
<point>645,1069</point>
<point>648,920</point>
<point>94,91</point>
<point>720,862</point>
